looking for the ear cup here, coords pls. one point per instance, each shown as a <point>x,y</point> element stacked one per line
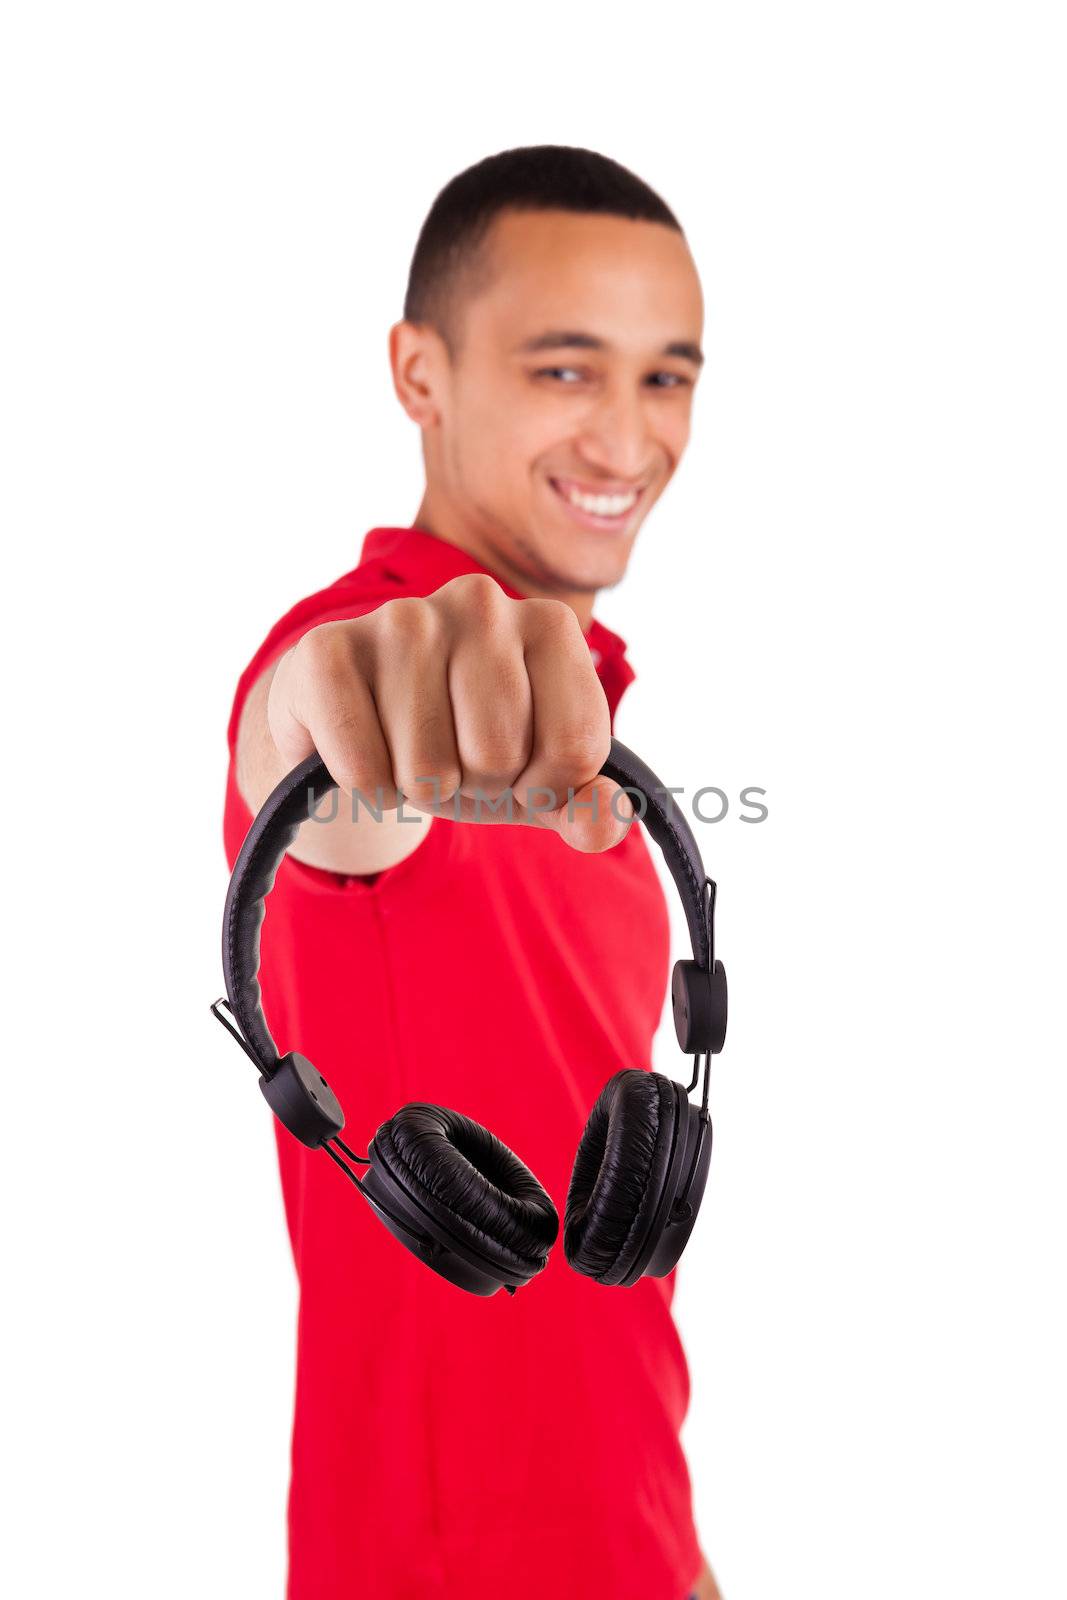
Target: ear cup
<point>471,1184</point>
<point>619,1173</point>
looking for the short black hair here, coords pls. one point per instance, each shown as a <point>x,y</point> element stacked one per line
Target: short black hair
<point>541,177</point>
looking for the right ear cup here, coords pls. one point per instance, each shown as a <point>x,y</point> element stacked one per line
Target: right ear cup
<point>470,1208</point>
<point>619,1174</point>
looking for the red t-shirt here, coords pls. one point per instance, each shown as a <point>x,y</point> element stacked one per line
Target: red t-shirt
<point>446,1446</point>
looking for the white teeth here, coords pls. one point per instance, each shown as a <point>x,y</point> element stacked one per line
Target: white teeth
<point>601,505</point>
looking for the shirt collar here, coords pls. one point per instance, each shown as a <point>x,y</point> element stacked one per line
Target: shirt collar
<point>424,562</point>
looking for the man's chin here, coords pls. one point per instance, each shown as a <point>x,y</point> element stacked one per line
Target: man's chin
<point>568,580</point>
<point>563,566</point>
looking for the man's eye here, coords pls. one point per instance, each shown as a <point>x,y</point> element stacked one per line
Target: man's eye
<point>564,374</point>
<point>668,380</point>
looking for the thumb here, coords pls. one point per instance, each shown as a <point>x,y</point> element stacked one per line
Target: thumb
<point>598,817</point>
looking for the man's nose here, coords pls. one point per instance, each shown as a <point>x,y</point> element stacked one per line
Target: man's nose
<point>617,438</point>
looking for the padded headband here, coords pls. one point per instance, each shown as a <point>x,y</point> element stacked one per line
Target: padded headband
<point>276,825</point>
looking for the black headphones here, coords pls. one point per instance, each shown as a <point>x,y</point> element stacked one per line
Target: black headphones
<point>446,1187</point>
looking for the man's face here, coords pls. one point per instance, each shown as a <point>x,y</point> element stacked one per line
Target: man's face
<point>566,407</point>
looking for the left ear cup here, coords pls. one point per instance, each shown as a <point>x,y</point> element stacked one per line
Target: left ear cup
<point>619,1174</point>
<point>468,1186</point>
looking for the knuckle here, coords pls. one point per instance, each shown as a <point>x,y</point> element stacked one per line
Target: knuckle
<point>428,768</point>
<point>429,783</point>
<point>552,619</point>
<point>479,595</point>
<point>495,754</point>
<point>356,772</point>
<point>498,733</point>
<point>581,747</point>
<point>322,651</point>
<point>326,677</point>
<point>343,722</point>
<point>407,621</point>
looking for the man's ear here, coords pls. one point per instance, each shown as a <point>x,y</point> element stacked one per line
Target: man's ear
<point>418,358</point>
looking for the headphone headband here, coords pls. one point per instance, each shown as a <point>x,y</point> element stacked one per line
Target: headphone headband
<point>290,804</point>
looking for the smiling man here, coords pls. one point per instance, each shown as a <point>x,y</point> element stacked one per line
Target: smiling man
<point>444,1445</point>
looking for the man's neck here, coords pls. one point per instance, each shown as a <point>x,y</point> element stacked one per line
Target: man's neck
<point>499,558</point>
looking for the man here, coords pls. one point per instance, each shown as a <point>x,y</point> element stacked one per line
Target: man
<point>445,1445</point>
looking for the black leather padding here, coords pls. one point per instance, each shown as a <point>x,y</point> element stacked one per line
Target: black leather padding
<point>665,821</point>
<point>618,1174</point>
<point>273,830</point>
<point>275,827</point>
<point>471,1183</point>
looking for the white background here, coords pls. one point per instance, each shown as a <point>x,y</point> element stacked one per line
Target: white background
<point>851,596</point>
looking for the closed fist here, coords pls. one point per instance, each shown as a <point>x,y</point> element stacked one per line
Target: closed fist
<point>466,703</point>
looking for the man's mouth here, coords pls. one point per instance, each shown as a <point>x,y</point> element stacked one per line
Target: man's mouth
<point>598,507</point>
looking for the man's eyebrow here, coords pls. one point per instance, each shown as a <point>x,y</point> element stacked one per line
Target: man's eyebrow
<point>574,339</point>
<point>687,349</point>
<point>563,339</point>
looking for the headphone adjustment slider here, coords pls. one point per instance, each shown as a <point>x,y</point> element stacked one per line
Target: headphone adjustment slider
<point>698,1001</point>
<point>303,1101</point>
